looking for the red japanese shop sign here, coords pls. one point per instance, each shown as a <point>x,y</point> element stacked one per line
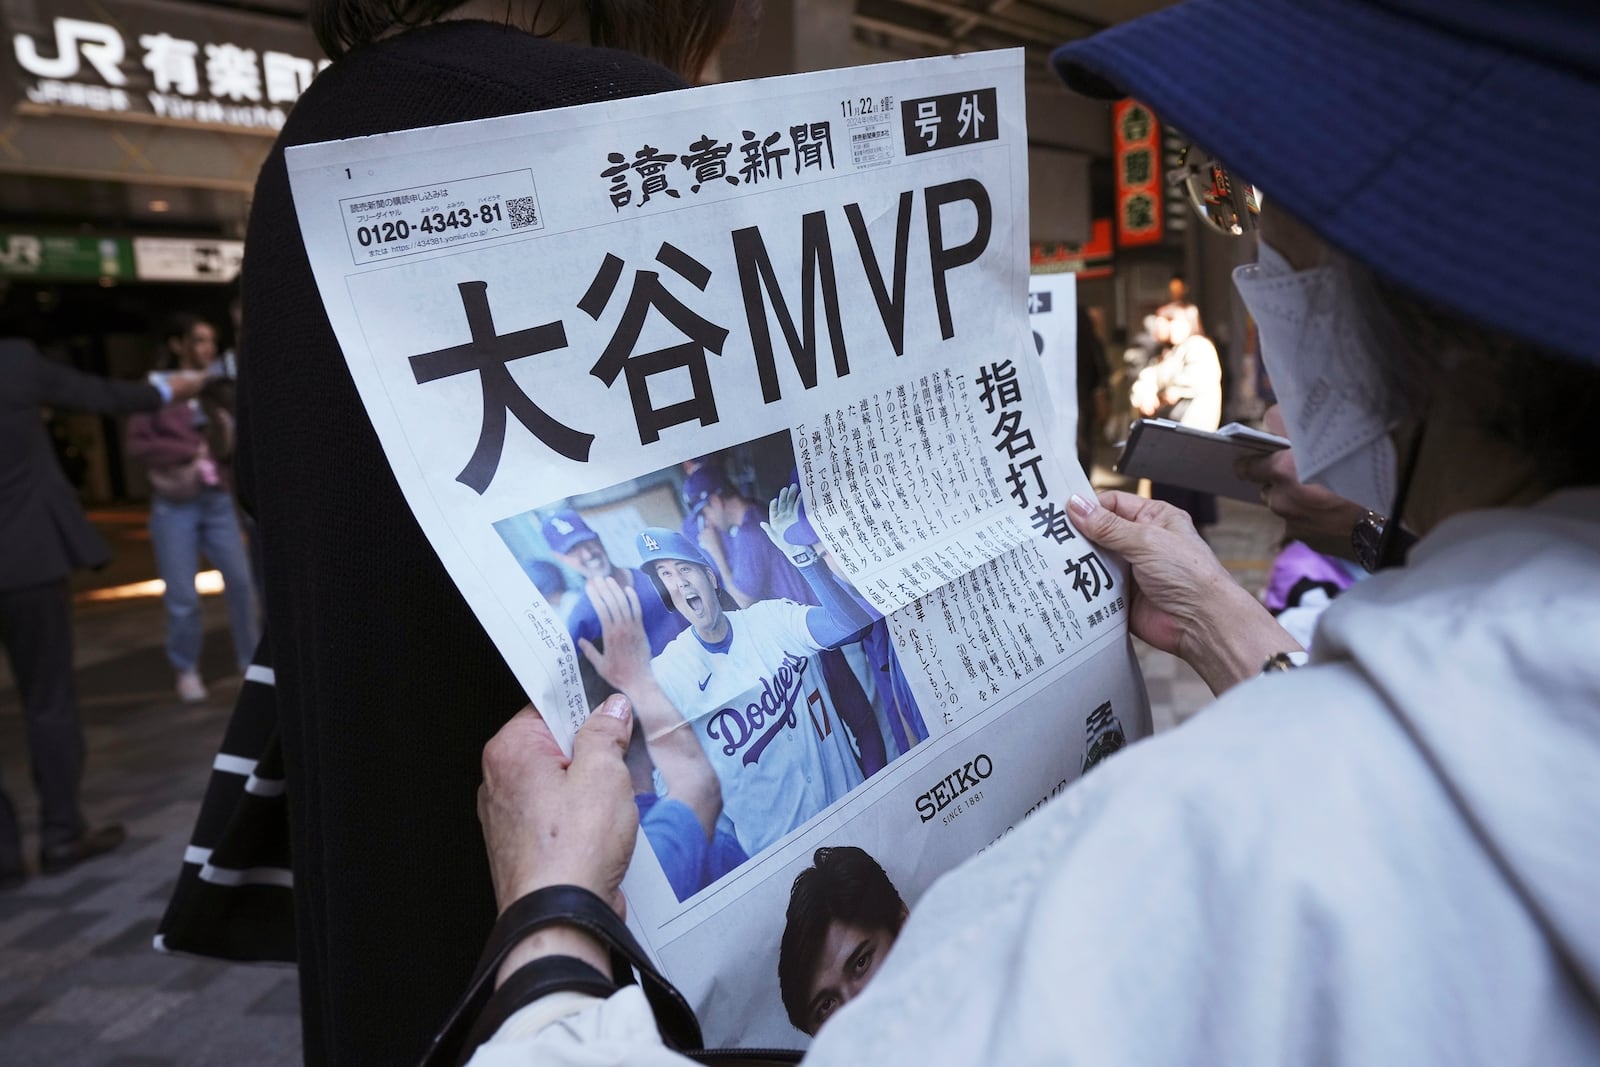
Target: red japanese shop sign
<point>1136,154</point>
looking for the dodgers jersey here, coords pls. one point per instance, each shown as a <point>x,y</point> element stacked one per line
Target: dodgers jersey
<point>764,715</point>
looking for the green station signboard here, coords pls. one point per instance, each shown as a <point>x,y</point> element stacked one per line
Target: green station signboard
<point>64,257</point>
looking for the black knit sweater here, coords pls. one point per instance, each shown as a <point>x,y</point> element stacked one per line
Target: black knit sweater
<point>386,685</point>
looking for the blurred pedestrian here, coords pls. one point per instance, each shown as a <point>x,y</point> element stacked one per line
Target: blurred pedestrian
<point>222,391</point>
<point>1185,386</point>
<point>46,537</point>
<point>1094,383</point>
<point>191,509</point>
<point>1179,305</point>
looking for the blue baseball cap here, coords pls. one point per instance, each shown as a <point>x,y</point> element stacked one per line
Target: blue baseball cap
<point>1448,145</point>
<point>656,543</point>
<point>700,486</point>
<point>565,529</point>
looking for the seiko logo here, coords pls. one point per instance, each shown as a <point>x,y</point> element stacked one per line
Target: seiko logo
<point>953,785</point>
<point>773,712</point>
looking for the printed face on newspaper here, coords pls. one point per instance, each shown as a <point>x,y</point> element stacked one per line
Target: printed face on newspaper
<point>727,399</point>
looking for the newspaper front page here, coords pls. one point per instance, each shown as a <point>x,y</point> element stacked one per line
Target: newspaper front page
<point>726,399</point>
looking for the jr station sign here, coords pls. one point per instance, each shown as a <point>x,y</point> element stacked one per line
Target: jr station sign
<point>159,62</point>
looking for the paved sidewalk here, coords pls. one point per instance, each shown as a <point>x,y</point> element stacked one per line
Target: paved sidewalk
<point>80,985</point>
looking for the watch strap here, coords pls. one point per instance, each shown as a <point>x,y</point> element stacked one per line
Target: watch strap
<point>1285,661</point>
<point>1366,540</point>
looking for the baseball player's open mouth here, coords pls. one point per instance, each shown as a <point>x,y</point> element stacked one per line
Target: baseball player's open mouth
<point>692,603</point>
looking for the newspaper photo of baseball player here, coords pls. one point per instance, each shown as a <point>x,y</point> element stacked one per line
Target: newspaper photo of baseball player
<point>765,688</point>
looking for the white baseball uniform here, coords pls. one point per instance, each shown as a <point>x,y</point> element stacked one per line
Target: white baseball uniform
<point>764,715</point>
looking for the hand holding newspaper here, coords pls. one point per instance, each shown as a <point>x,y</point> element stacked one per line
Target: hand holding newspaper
<point>726,399</point>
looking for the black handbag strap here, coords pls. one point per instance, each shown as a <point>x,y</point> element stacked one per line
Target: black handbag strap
<point>570,906</point>
<point>552,974</point>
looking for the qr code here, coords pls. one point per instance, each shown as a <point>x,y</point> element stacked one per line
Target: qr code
<point>523,211</point>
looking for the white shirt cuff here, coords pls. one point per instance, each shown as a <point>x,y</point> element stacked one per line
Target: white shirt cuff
<point>532,1018</point>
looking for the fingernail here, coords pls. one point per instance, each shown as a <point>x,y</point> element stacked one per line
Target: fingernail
<point>617,707</point>
<point>1081,507</point>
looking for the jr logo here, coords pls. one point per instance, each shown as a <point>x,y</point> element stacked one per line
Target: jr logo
<point>763,719</point>
<point>21,252</point>
<point>98,43</point>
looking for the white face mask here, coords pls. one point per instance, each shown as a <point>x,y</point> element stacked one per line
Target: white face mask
<point>1325,375</point>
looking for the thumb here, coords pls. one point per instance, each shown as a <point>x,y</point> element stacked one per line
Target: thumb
<point>1253,469</point>
<point>1105,527</point>
<point>523,746</point>
<point>605,733</point>
<point>590,653</point>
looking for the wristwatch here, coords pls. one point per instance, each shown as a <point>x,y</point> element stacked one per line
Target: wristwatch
<point>1367,541</point>
<point>1366,538</point>
<point>1285,661</point>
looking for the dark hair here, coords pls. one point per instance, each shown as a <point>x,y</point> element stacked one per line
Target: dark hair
<point>177,327</point>
<point>680,34</point>
<point>1536,402</point>
<point>844,884</point>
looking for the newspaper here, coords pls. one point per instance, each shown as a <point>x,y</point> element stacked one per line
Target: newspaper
<point>725,398</point>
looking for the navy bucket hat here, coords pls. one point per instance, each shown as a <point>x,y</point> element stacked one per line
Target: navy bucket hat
<point>1452,146</point>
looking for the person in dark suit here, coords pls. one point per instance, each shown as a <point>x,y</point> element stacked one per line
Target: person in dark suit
<point>45,537</point>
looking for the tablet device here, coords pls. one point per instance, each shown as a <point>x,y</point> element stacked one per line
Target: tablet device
<point>1174,454</point>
